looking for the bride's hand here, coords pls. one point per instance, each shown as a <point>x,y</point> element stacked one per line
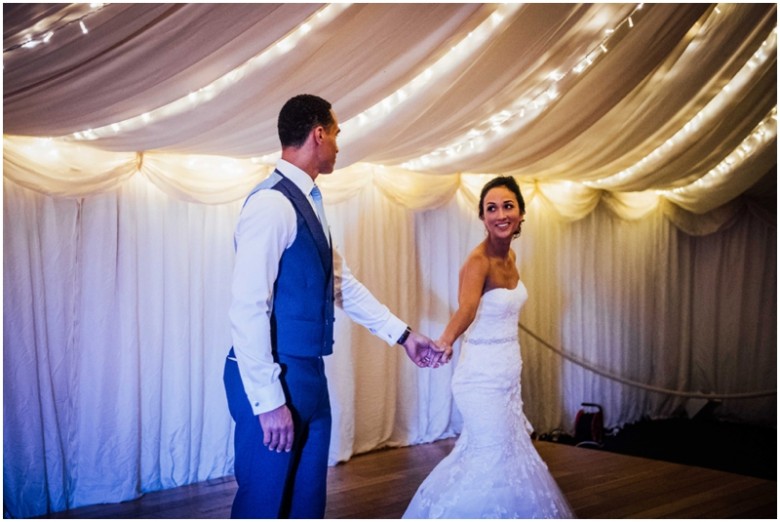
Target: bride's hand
<point>446,348</point>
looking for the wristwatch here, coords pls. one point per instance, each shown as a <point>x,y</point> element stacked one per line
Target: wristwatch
<point>404,336</point>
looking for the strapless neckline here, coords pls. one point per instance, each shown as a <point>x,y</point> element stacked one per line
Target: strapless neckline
<point>502,288</point>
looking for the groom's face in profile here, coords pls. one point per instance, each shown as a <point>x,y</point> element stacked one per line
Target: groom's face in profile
<point>328,148</point>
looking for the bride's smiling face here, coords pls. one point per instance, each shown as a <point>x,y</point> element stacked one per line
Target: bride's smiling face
<point>502,215</point>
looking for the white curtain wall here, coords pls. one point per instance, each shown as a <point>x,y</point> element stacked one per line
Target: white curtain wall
<point>115,327</point>
<point>643,137</point>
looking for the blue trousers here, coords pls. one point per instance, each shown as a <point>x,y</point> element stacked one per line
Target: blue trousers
<point>282,485</point>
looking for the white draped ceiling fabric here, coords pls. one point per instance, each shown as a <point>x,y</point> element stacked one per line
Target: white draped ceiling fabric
<point>643,137</point>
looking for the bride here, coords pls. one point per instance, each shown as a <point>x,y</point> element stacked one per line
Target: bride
<point>493,471</point>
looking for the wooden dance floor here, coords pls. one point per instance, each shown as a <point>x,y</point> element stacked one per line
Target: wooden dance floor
<point>598,484</point>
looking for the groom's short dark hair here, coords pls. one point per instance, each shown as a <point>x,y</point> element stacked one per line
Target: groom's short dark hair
<point>299,116</point>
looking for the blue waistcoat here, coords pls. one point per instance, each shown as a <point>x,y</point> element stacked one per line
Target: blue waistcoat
<point>302,315</point>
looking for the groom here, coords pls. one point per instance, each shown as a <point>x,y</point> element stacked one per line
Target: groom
<point>286,279</point>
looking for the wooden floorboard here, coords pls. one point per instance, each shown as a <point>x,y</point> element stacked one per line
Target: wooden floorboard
<point>598,484</point>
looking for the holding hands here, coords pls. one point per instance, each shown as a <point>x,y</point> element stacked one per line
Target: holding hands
<point>277,425</point>
<point>426,353</point>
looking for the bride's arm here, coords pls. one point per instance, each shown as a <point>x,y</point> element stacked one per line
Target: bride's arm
<point>472,281</point>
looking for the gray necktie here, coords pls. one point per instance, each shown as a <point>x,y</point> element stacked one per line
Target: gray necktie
<point>316,195</point>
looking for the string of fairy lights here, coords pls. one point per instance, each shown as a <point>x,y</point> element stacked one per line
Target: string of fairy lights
<point>763,134</point>
<point>210,91</point>
<point>502,122</point>
<point>460,53</point>
<point>699,123</point>
<point>43,36</point>
<point>529,106</point>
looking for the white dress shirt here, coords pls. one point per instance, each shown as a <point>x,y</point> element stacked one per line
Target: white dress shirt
<point>266,228</point>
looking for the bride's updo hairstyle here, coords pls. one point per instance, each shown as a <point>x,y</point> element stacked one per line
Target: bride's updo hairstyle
<point>501,181</point>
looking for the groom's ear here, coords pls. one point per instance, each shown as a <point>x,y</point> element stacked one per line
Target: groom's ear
<point>318,133</point>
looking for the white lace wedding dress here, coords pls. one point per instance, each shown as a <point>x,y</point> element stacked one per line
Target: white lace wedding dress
<point>493,471</point>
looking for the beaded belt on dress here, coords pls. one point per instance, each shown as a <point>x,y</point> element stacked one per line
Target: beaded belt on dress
<point>477,340</point>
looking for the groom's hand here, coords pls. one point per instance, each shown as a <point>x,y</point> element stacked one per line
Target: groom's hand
<point>423,352</point>
<point>278,430</point>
